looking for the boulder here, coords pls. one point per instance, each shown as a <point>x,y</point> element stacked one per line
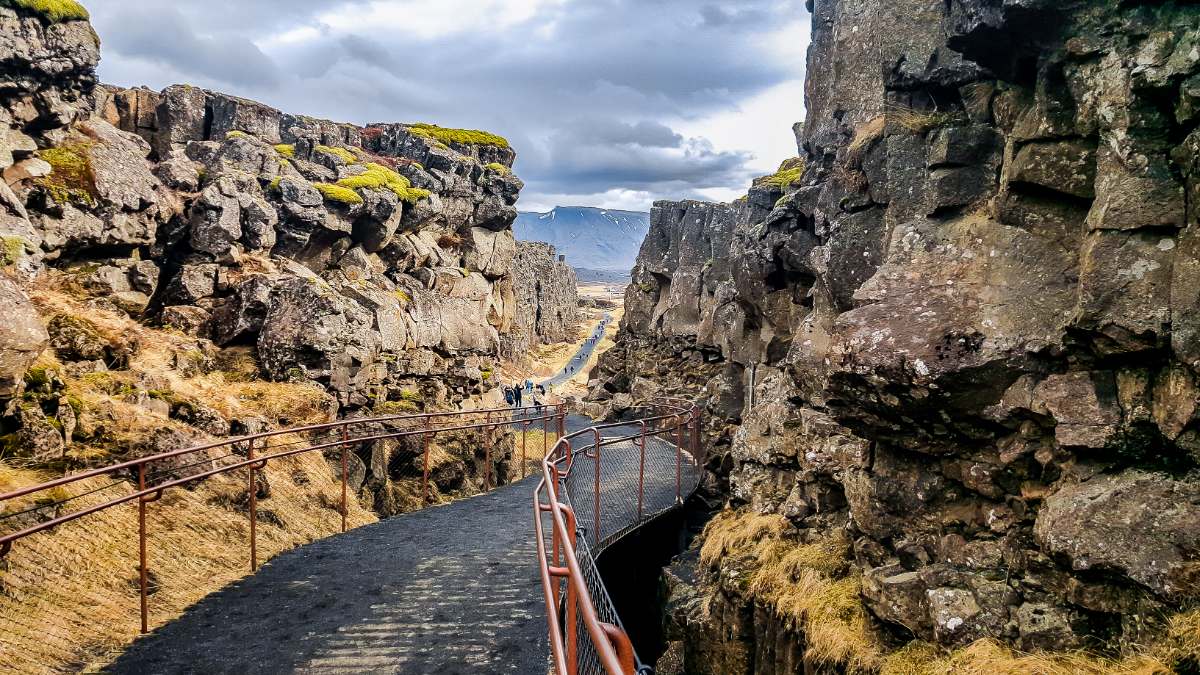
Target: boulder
<point>1138,525</point>
<point>22,337</point>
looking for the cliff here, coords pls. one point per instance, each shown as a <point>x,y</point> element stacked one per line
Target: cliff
<point>158,244</point>
<point>948,353</point>
<point>546,300</point>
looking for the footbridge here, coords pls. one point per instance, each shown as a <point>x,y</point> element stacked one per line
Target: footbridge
<point>95,558</point>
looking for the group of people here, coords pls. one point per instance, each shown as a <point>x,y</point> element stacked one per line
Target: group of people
<point>515,395</point>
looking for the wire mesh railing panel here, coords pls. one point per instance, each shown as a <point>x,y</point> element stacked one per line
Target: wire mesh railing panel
<point>90,559</point>
<point>611,479</point>
<point>589,660</point>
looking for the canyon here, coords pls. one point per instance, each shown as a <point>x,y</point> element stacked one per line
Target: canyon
<point>947,356</point>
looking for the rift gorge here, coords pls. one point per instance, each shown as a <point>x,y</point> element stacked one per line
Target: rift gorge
<point>280,394</point>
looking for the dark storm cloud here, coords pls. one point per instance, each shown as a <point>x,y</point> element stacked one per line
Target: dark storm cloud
<point>585,89</point>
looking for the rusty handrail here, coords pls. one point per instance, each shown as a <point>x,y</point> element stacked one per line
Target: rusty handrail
<point>610,642</point>
<point>145,494</point>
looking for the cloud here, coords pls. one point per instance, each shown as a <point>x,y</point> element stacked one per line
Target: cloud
<point>605,100</point>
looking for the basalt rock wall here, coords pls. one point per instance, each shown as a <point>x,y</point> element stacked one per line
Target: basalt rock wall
<point>964,334</point>
<point>374,261</point>
<point>546,299</point>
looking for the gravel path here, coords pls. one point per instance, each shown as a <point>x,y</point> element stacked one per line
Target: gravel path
<point>581,357</point>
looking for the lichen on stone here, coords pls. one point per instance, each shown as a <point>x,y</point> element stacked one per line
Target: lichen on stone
<point>54,11</point>
<point>236,134</point>
<point>337,193</point>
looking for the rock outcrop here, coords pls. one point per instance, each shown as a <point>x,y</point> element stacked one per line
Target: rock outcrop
<point>376,261</point>
<point>546,298</point>
<point>960,327</point>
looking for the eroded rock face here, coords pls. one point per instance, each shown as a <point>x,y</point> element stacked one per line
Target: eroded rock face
<point>376,261</point>
<point>22,337</point>
<point>983,286</point>
<point>546,299</point>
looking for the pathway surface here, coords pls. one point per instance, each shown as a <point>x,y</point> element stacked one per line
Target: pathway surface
<point>447,590</point>
<point>452,589</point>
<point>581,357</point>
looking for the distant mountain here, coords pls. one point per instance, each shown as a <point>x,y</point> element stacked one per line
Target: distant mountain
<point>595,239</point>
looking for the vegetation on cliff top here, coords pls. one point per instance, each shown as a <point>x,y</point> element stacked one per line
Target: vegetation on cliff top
<point>55,11</point>
<point>463,136</point>
<point>378,176</point>
<point>790,172</point>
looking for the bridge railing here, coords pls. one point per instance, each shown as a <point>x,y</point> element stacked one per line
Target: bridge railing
<point>57,600</point>
<point>598,485</point>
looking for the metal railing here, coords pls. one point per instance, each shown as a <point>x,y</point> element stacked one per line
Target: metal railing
<point>39,513</point>
<point>598,485</point>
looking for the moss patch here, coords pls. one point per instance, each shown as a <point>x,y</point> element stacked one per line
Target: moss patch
<point>337,193</point>
<point>789,173</point>
<point>498,168</point>
<point>54,11</point>
<point>462,136</point>
<point>71,180</point>
<point>11,250</point>
<point>403,297</point>
<point>380,177</point>
<point>235,134</point>
<point>341,153</point>
<point>286,150</point>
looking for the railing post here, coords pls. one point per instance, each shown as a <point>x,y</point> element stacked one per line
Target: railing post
<point>524,435</point>
<point>679,460</point>
<point>345,470</point>
<point>572,601</point>
<point>545,434</point>
<point>253,494</point>
<point>487,453</point>
<point>642,471</point>
<point>596,535</point>
<point>143,579</point>
<point>425,463</point>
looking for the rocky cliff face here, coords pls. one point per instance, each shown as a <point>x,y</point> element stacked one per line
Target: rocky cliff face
<point>375,262</point>
<point>546,300</point>
<point>957,336</point>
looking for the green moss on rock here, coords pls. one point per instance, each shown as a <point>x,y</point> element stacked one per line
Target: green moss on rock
<point>54,11</point>
<point>71,180</point>
<point>12,249</point>
<point>341,153</point>
<point>498,168</point>
<point>286,150</point>
<point>790,173</point>
<point>337,193</point>
<point>462,136</point>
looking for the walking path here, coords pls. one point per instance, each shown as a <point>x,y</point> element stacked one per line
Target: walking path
<point>450,589</point>
<point>581,357</point>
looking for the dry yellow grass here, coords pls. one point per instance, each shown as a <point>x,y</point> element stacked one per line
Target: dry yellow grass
<point>813,586</point>
<point>809,585</point>
<point>70,596</point>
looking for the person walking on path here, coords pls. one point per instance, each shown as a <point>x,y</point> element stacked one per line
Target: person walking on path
<point>509,398</point>
<point>517,394</point>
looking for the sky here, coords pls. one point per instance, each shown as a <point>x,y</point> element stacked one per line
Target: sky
<point>608,103</point>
